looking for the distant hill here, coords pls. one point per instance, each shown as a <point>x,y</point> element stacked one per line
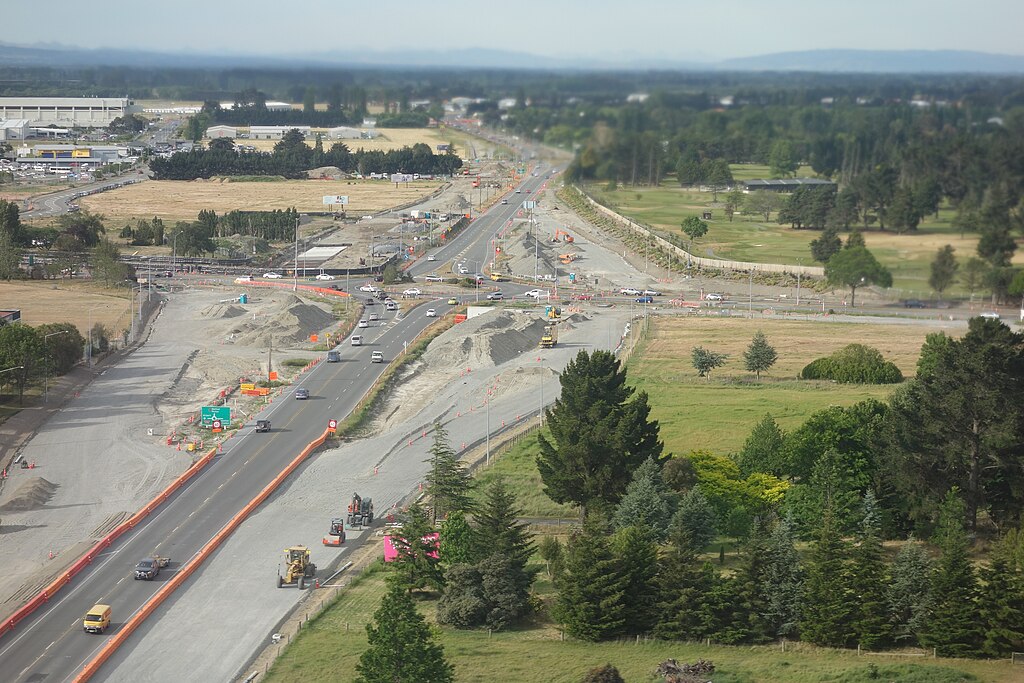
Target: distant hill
<point>827,61</point>
<point>880,61</point>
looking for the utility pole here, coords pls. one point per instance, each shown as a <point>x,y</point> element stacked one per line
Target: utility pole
<point>270,358</point>
<point>750,295</point>
<point>295,269</point>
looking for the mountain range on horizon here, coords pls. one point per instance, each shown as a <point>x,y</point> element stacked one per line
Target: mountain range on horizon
<point>821,61</point>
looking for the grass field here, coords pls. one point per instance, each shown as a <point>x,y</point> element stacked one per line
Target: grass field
<point>749,238</point>
<point>174,200</point>
<point>718,414</point>
<point>55,301</point>
<point>328,649</point>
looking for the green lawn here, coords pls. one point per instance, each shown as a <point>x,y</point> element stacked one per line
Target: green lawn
<point>328,649</point>
<point>518,468</point>
<point>749,238</point>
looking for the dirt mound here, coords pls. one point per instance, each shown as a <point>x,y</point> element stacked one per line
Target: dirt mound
<point>487,340</point>
<point>332,172</point>
<point>288,321</point>
<point>222,311</point>
<point>31,495</point>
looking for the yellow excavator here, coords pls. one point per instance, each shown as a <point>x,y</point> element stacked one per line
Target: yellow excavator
<point>298,568</point>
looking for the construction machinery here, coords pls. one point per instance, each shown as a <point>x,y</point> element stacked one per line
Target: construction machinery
<point>549,339</point>
<point>562,235</point>
<point>568,258</point>
<point>360,512</point>
<point>297,569</point>
<point>336,536</point>
<point>552,312</point>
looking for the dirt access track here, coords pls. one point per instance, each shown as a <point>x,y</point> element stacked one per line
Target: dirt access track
<point>173,200</point>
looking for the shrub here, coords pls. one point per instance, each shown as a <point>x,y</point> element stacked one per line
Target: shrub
<point>854,364</point>
<point>296,362</point>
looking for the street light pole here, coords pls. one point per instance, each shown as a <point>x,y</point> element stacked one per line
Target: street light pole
<point>295,265</point>
<point>174,254</point>
<point>488,456</point>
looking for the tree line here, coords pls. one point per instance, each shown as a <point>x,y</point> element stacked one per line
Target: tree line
<point>41,352</point>
<point>292,157</point>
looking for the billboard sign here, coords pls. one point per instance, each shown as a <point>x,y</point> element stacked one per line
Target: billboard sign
<point>335,199</point>
<point>401,178</point>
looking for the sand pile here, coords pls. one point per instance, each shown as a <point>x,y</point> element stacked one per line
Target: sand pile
<point>289,321</point>
<point>31,495</point>
<point>222,311</point>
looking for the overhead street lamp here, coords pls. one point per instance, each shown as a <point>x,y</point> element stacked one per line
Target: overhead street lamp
<point>46,361</point>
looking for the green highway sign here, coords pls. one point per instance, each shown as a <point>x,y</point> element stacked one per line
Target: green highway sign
<point>210,413</point>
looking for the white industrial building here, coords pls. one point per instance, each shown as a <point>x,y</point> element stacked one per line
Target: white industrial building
<point>14,129</point>
<point>74,112</point>
<point>271,106</point>
<point>276,132</point>
<point>214,132</point>
<point>344,133</point>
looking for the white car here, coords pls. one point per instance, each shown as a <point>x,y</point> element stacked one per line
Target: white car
<point>412,291</point>
<point>431,258</point>
<point>630,291</point>
<point>272,276</point>
<point>324,276</point>
<point>368,288</point>
<point>463,270</point>
<point>433,278</point>
<point>650,292</point>
<point>363,323</point>
<point>431,313</point>
<point>712,297</point>
<point>535,293</point>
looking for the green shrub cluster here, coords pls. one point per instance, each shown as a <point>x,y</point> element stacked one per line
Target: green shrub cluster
<point>854,364</point>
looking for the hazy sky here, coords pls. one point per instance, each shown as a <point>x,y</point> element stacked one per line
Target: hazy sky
<point>669,29</point>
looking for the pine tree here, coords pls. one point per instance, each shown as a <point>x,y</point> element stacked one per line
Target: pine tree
<point>498,531</point>
<point>781,585</point>
<point>646,502</point>
<point>456,543</point>
<point>1001,601</point>
<point>827,604</point>
<point>951,625</point>
<point>907,594</point>
<point>590,589</point>
<point>695,520</point>
<point>448,483</point>
<point>638,565</point>
<point>760,355</point>
<point>871,625</point>
<point>401,647</point>
<point>500,577</point>
<point>462,603</point>
<point>762,451</point>
<point>682,586</point>
<point>749,616</point>
<point>417,564</point>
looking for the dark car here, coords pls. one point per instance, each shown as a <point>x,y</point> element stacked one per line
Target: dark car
<point>301,394</point>
<point>913,303</point>
<point>645,299</point>
<point>262,425</point>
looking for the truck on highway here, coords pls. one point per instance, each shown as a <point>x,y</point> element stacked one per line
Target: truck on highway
<point>149,568</point>
<point>96,620</point>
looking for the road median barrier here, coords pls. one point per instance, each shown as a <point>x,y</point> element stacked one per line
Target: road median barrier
<point>193,564</point>
<point>65,577</point>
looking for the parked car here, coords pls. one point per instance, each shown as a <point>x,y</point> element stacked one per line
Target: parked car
<point>324,276</point>
<point>583,297</point>
<point>433,277</point>
<point>630,291</point>
<point>376,357</point>
<point>535,293</point>
<point>272,275</point>
<point>713,297</point>
<point>913,303</point>
<point>496,296</point>
<point>412,291</point>
<point>431,313</point>
<point>301,393</point>
<point>990,315</point>
<point>650,292</point>
<point>644,299</point>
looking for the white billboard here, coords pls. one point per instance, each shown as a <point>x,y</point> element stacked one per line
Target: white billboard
<point>335,199</point>
<point>401,178</point>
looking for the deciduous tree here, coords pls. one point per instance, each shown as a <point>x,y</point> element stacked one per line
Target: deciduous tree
<point>856,267</point>
<point>760,355</point>
<point>704,361</point>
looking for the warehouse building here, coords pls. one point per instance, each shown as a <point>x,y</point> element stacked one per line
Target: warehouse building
<point>276,132</point>
<point>75,112</point>
<point>214,132</point>
<point>784,184</point>
<point>344,133</point>
<point>14,129</point>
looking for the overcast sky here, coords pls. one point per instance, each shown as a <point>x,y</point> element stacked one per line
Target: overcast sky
<point>665,29</point>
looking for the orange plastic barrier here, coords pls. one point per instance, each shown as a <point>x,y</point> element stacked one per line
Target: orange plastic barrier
<point>281,285</point>
<point>65,578</point>
<point>190,567</point>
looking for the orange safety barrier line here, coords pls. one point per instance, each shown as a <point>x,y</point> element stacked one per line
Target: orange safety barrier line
<point>282,285</point>
<point>192,565</point>
<point>64,579</point>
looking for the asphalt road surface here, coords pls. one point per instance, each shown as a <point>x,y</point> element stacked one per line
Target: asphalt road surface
<point>51,646</point>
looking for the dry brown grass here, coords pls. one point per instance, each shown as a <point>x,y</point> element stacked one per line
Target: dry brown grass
<point>174,200</point>
<point>386,139</point>
<point>51,301</point>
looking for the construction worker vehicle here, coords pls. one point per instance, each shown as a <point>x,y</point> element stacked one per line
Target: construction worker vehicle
<point>149,568</point>
<point>550,337</point>
<point>336,536</point>
<point>360,512</point>
<point>297,568</point>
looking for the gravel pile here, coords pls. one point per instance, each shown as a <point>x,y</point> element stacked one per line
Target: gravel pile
<point>222,311</point>
<point>289,321</point>
<point>31,495</point>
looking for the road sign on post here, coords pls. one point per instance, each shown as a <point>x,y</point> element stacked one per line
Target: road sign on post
<point>332,426</point>
<point>208,414</point>
<point>216,426</point>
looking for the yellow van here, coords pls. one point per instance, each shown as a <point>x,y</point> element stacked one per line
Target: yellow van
<point>97,619</point>
<point>497,277</point>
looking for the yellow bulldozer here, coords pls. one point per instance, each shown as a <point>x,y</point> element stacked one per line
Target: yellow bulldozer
<point>297,568</point>
<point>550,337</point>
